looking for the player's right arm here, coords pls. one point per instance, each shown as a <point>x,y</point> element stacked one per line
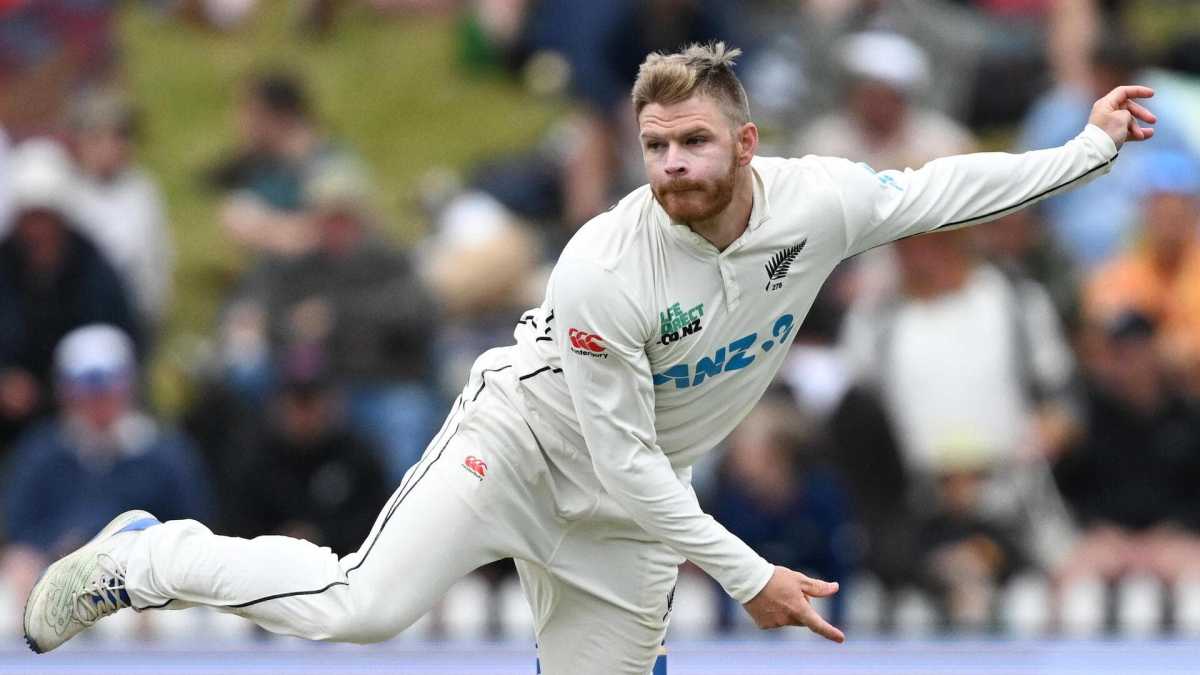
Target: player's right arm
<point>602,333</point>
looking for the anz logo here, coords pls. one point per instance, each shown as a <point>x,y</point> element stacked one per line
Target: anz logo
<point>737,355</point>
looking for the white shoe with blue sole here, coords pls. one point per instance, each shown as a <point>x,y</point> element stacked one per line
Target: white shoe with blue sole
<point>83,587</point>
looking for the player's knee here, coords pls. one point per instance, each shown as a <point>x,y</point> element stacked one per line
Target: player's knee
<point>353,628</point>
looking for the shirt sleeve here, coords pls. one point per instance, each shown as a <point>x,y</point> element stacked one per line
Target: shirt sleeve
<point>602,335</point>
<point>952,192</point>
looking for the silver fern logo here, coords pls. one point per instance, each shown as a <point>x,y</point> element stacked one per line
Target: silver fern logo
<point>780,263</point>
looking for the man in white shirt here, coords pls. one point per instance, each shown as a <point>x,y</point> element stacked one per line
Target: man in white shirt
<point>118,204</point>
<point>664,321</point>
<point>974,374</point>
<point>884,122</point>
<point>965,358</point>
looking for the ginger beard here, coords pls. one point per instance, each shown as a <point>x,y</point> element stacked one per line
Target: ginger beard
<point>692,200</point>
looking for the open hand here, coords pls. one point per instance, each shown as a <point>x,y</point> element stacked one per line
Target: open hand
<point>784,602</point>
<point>1118,114</point>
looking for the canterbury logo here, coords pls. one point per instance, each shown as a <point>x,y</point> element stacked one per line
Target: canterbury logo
<point>584,340</point>
<point>476,466</point>
<point>780,264</point>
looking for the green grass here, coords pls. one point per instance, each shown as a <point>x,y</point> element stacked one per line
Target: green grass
<point>391,88</point>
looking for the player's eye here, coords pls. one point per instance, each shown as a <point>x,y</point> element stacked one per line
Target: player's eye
<point>696,140</point>
<point>653,145</point>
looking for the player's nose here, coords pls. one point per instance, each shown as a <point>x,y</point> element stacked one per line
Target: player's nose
<point>676,169</point>
<point>675,165</point>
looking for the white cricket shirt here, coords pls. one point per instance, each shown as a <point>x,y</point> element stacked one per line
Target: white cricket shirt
<point>652,345</point>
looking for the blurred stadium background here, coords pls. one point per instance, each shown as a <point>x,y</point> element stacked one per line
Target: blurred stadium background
<point>306,218</point>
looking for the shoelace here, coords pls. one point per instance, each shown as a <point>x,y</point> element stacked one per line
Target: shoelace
<point>104,595</point>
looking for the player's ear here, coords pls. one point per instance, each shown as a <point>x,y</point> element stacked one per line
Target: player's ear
<point>746,138</point>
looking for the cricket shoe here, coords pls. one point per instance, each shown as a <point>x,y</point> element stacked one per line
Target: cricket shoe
<point>83,587</point>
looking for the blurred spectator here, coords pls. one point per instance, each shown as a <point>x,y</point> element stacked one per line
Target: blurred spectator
<point>52,280</point>
<point>598,46</point>
<point>5,178</point>
<point>814,371</point>
<point>869,459</point>
<point>480,257</point>
<point>774,493</point>
<point>99,457</point>
<point>218,14</point>
<point>1160,277</point>
<point>360,301</point>
<point>1094,222</point>
<point>1021,245</point>
<point>306,474</point>
<point>282,149</point>
<point>1017,43</point>
<point>883,126</point>
<point>1132,481</point>
<point>482,263</point>
<point>796,66</point>
<point>1165,31</point>
<point>966,552</point>
<point>49,49</point>
<point>119,205</point>
<point>974,376</point>
<point>955,331</point>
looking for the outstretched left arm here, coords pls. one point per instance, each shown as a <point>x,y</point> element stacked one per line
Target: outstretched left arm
<point>963,190</point>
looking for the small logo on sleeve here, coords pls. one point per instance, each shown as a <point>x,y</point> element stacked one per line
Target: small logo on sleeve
<point>885,179</point>
<point>476,466</point>
<point>586,344</point>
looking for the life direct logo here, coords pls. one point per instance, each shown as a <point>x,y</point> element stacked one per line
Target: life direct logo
<point>733,357</point>
<point>676,324</point>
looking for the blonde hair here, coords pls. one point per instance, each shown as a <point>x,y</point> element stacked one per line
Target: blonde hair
<point>699,68</point>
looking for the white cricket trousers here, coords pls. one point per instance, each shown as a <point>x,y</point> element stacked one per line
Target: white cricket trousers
<point>599,587</point>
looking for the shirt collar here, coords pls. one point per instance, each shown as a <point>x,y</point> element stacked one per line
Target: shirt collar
<point>761,211</point>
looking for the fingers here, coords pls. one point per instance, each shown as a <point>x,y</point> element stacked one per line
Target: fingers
<point>1118,96</point>
<point>809,617</point>
<point>817,624</point>
<point>1140,111</point>
<point>1132,129</point>
<point>818,588</point>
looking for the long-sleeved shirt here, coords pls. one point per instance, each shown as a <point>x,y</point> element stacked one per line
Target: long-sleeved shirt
<point>651,345</point>
<point>126,220</point>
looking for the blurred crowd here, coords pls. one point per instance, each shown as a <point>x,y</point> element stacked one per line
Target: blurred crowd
<point>959,410</point>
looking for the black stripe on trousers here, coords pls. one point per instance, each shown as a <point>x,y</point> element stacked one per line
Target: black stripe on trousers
<point>159,606</point>
<point>458,403</point>
<point>371,547</point>
<point>400,493</point>
<point>392,511</point>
